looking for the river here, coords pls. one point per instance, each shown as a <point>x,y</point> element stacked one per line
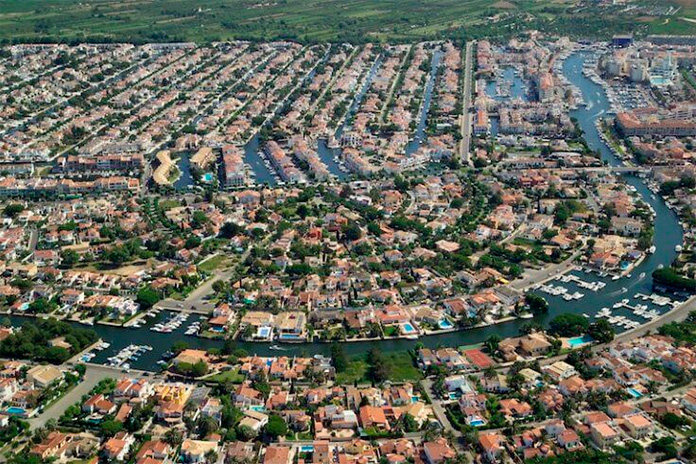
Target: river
<point>668,234</point>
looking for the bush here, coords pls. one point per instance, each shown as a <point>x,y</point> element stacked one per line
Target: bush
<point>568,325</point>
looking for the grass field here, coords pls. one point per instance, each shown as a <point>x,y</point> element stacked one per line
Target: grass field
<point>228,376</point>
<point>401,369</point>
<point>322,20</point>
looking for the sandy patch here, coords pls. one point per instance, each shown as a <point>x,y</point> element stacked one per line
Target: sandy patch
<point>504,5</point>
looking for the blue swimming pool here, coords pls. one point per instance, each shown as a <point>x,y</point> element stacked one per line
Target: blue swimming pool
<point>445,324</point>
<point>208,177</point>
<point>577,341</point>
<point>477,422</point>
<point>263,332</point>
<point>634,393</point>
<point>307,448</point>
<point>14,410</point>
<point>407,328</point>
<point>257,408</point>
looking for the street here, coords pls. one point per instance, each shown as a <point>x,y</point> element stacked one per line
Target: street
<point>465,144</point>
<point>93,376</point>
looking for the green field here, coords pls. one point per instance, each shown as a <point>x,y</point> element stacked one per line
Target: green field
<point>325,20</point>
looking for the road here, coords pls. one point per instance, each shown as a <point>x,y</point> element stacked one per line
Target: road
<point>93,375</point>
<point>533,278</point>
<point>465,144</point>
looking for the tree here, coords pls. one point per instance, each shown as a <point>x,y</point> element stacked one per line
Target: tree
<point>147,297</point>
<point>276,427</point>
<point>601,331</point>
<point>351,231</point>
<point>672,421</point>
<point>568,325</point>
<point>179,346</point>
<point>409,423</point>
<point>245,433</point>
<point>13,209</point>
<point>536,303</point>
<point>109,428</point>
<point>493,342</point>
<point>68,258</point>
<point>379,370</point>
<point>340,361</point>
<point>173,437</point>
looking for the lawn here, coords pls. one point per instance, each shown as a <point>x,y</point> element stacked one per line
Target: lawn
<point>231,375</point>
<point>354,21</point>
<point>400,364</point>
<point>402,368</point>
<point>212,264</point>
<point>356,371</point>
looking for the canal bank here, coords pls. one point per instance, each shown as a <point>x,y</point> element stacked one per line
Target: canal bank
<point>668,234</point>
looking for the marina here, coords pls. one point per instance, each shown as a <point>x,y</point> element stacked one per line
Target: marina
<point>599,290</point>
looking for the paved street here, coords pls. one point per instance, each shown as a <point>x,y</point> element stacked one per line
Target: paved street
<point>93,376</point>
<point>537,277</point>
<point>465,145</point>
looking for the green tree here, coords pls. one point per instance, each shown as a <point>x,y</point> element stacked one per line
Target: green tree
<point>536,303</point>
<point>276,427</point>
<point>147,297</point>
<point>13,209</point>
<point>601,331</point>
<point>568,325</point>
<point>68,258</point>
<point>338,355</point>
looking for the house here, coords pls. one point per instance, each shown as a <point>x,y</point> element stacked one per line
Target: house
<point>604,434</point>
<point>194,451</point>
<point>560,370</point>
<point>239,452</point>
<point>247,396</point>
<point>373,417</point>
<point>512,408</point>
<point>688,401</point>
<point>98,404</point>
<point>277,455</point>
<point>639,426</point>
<point>54,446</point>
<point>43,376</point>
<point>492,446</point>
<point>438,451</point>
<point>569,440</point>
<point>117,447</point>
<point>254,420</point>
<point>154,449</point>
<point>291,326</point>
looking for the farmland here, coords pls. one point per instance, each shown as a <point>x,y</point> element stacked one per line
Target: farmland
<point>326,20</point>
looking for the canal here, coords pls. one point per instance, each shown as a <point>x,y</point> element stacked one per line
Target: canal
<point>668,234</point>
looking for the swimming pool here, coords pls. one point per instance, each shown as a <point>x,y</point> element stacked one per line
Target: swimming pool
<point>257,408</point>
<point>263,332</point>
<point>477,422</point>
<point>445,324</point>
<point>208,177</point>
<point>407,328</point>
<point>307,448</point>
<point>634,393</point>
<point>14,410</point>
<point>577,341</point>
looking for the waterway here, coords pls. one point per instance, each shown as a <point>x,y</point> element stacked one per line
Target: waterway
<point>262,173</point>
<point>668,234</point>
<point>420,136</point>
